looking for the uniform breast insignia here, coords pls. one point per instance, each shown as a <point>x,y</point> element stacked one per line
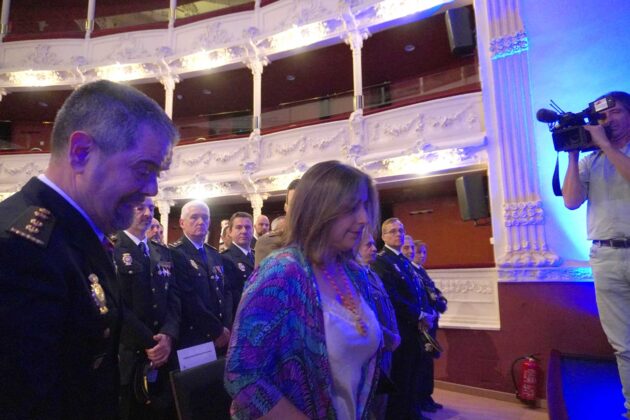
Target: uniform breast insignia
<point>241,266</point>
<point>194,264</point>
<point>98,294</point>
<point>34,224</point>
<point>397,268</point>
<point>164,268</point>
<point>218,270</point>
<point>127,259</point>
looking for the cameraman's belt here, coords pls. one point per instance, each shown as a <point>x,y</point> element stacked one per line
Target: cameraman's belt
<point>613,243</point>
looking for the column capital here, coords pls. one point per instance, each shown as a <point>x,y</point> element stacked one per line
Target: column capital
<point>355,38</point>
<point>169,81</point>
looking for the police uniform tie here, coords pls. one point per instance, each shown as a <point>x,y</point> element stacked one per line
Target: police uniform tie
<point>203,255</point>
<point>250,256</point>
<point>143,248</point>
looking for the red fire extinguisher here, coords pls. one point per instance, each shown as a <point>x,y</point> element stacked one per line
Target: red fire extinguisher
<point>527,385</point>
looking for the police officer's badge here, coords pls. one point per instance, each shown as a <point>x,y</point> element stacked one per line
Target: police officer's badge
<point>127,259</point>
<point>241,266</point>
<point>98,294</point>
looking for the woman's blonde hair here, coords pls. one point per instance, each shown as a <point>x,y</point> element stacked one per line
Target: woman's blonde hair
<point>327,191</point>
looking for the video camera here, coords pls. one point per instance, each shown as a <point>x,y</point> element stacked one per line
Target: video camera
<point>567,128</point>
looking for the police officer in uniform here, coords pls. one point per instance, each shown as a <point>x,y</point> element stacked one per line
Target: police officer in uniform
<point>147,284</point>
<point>238,259</point>
<point>60,308</point>
<point>206,312</point>
<point>413,313</point>
<point>438,303</point>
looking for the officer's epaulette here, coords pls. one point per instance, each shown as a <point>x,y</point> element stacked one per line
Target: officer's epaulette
<point>176,244</point>
<point>156,243</point>
<point>34,224</point>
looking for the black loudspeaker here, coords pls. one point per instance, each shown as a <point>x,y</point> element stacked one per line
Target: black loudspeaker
<point>5,130</point>
<point>472,196</point>
<point>460,32</point>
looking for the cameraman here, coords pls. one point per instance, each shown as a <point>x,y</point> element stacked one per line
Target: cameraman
<point>603,178</point>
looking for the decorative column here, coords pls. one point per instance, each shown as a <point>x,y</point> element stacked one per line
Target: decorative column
<point>4,18</point>
<point>256,63</point>
<point>508,102</point>
<point>164,206</point>
<point>169,81</point>
<point>89,21</point>
<point>354,148</point>
<point>257,201</point>
<point>172,10</point>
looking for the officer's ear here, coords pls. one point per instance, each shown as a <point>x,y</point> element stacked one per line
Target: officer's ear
<point>80,147</point>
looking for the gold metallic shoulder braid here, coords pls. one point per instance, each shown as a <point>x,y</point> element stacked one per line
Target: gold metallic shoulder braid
<point>35,224</point>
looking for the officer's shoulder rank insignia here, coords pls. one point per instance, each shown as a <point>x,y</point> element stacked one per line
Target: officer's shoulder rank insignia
<point>34,224</point>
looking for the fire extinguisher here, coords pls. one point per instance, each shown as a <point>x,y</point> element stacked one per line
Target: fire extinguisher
<point>527,385</point>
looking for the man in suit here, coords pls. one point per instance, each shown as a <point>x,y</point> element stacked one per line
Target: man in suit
<point>206,311</point>
<point>239,257</point>
<point>274,239</point>
<point>438,303</point>
<point>260,228</point>
<point>413,313</point>
<point>60,307</point>
<point>147,284</point>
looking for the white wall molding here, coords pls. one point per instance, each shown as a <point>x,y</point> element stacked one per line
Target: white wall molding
<point>473,300</point>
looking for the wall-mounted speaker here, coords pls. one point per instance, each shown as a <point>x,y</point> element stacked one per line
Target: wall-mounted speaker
<point>461,36</point>
<point>5,135</point>
<point>472,196</point>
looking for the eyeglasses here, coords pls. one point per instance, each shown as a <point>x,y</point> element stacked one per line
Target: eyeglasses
<point>395,231</point>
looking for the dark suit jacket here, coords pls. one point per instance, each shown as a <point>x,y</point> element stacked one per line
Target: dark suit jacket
<point>58,358</point>
<point>405,292</point>
<point>238,268</point>
<point>201,286</point>
<point>148,288</point>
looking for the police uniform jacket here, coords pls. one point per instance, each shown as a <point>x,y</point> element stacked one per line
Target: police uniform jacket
<point>60,311</point>
<point>405,290</point>
<point>201,287</point>
<point>436,298</point>
<point>238,268</point>
<point>147,285</point>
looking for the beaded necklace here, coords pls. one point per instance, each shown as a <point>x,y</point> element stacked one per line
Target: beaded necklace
<point>346,298</point>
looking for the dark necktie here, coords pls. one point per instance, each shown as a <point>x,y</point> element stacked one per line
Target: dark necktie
<point>144,249</point>
<point>250,257</point>
<point>204,256</point>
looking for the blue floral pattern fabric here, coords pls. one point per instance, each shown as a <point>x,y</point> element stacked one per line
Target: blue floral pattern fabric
<point>278,345</point>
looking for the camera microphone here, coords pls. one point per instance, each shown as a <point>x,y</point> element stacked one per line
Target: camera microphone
<point>547,116</point>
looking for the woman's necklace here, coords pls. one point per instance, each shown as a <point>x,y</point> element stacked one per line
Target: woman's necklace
<point>346,298</point>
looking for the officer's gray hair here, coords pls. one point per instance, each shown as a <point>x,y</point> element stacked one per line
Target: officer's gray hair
<point>186,208</point>
<point>112,114</point>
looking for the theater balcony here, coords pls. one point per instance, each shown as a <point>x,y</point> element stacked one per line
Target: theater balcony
<point>424,95</point>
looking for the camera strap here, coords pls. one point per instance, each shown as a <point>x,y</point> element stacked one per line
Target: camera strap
<point>555,183</point>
